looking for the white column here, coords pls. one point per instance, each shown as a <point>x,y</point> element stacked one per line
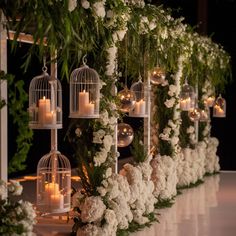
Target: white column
<point>3,111</point>
<point>147,120</point>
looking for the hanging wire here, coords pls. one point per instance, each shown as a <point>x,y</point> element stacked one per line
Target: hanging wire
<point>84,59</point>
<point>126,58</point>
<point>44,69</point>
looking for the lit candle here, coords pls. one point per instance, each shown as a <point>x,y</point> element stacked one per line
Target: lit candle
<point>51,117</point>
<point>89,109</point>
<point>57,201</point>
<point>140,107</point>
<point>83,101</point>
<point>51,188</point>
<point>210,101</point>
<point>185,104</point>
<point>219,112</point>
<point>44,108</point>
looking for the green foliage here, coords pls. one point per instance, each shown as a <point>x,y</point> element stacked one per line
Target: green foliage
<point>211,174</point>
<point>164,203</point>
<point>184,136</point>
<point>133,226</point>
<point>16,106</point>
<point>191,185</point>
<point>162,116</point>
<point>138,150</point>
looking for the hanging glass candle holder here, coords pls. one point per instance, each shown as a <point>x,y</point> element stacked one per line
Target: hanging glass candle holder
<point>194,114</point>
<point>219,108</point>
<point>126,99</point>
<point>53,183</point>
<point>125,135</point>
<point>204,115</point>
<point>210,101</point>
<point>84,92</point>
<point>157,75</point>
<point>45,102</point>
<point>187,97</point>
<point>141,95</point>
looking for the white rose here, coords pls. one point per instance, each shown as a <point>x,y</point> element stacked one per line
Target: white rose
<point>99,9</point>
<point>85,4</point>
<point>72,4</point>
<point>172,90</point>
<point>169,102</point>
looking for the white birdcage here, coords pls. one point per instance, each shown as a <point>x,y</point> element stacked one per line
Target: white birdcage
<point>141,99</point>
<point>187,97</point>
<point>45,102</point>
<point>219,108</point>
<point>53,183</point>
<point>204,115</point>
<point>84,92</point>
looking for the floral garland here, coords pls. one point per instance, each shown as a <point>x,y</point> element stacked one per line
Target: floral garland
<point>16,217</point>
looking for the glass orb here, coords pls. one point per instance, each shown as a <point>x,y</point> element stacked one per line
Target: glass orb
<point>157,75</point>
<point>127,100</point>
<point>194,114</point>
<point>125,135</point>
<point>204,115</point>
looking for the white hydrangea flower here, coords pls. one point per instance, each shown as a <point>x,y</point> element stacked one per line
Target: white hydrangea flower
<point>98,136</point>
<point>107,142</point>
<point>89,230</point>
<point>15,188</point>
<point>92,209</point>
<point>100,157</point>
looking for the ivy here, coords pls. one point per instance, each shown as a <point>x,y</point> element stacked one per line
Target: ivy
<point>17,98</point>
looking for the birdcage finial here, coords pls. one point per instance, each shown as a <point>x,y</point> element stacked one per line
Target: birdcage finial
<point>84,60</point>
<point>44,69</point>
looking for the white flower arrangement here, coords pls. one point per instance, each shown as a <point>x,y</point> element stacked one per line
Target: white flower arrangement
<point>16,217</point>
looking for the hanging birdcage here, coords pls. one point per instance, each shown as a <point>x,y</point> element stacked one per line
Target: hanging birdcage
<point>84,92</point>
<point>187,97</point>
<point>45,102</point>
<point>219,108</point>
<point>141,99</point>
<point>53,183</point>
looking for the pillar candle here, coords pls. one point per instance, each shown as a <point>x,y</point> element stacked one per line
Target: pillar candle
<point>219,112</point>
<point>140,107</point>
<point>57,201</point>
<point>51,188</point>
<point>89,109</point>
<point>51,117</point>
<point>83,101</point>
<point>44,108</point>
<point>185,104</point>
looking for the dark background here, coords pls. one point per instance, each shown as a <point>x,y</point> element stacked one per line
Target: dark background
<point>215,18</point>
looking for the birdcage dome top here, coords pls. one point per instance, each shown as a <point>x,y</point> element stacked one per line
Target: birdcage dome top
<point>138,86</point>
<point>47,162</point>
<point>85,74</point>
<point>220,101</point>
